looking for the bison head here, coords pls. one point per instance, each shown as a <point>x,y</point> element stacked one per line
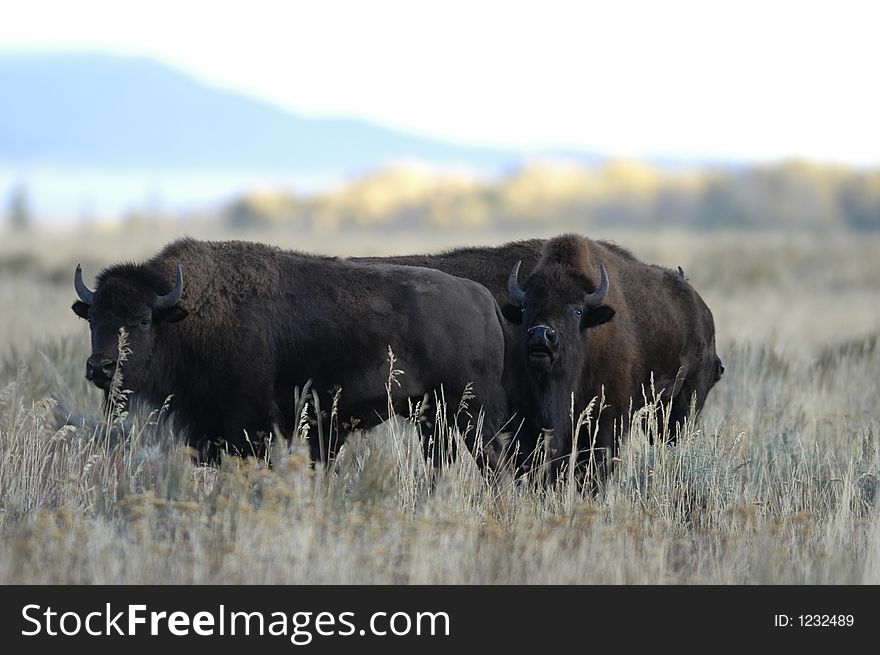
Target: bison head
<point>134,298</point>
<point>557,306</point>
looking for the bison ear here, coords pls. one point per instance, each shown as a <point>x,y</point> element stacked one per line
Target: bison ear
<point>512,313</point>
<point>596,316</point>
<point>80,309</point>
<point>173,314</point>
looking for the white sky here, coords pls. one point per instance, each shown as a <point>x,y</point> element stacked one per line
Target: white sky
<point>751,80</point>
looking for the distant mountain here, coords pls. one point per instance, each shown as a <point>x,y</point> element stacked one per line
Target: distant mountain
<point>109,112</point>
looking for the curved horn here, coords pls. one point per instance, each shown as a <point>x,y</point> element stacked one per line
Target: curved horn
<point>85,294</point>
<point>599,294</point>
<point>171,298</point>
<point>513,287</point>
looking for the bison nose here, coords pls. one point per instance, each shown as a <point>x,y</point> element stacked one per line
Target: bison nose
<point>99,366</point>
<point>543,335</point>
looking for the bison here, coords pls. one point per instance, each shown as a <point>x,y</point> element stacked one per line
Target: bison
<point>230,329</point>
<point>637,323</point>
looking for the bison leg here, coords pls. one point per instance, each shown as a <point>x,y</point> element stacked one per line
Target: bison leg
<point>433,425</point>
<point>325,440</point>
<point>597,455</point>
<point>524,449</point>
<point>204,451</point>
<point>246,432</point>
<point>680,410</point>
<point>479,425</point>
<point>438,419</point>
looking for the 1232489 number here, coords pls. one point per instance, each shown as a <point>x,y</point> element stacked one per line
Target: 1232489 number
<point>825,620</point>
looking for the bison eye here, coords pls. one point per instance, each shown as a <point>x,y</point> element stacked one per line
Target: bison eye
<point>578,311</point>
<point>145,323</point>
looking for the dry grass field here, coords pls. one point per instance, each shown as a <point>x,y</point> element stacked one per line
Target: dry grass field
<point>777,482</point>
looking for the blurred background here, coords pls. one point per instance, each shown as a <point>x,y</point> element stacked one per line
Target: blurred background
<point>321,117</point>
<point>738,140</point>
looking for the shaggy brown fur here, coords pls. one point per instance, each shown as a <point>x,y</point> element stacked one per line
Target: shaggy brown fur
<point>254,322</point>
<point>662,328</point>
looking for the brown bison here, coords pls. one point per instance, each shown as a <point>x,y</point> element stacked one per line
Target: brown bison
<point>596,322</point>
<point>230,329</point>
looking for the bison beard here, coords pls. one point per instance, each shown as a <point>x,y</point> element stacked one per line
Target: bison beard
<point>252,323</point>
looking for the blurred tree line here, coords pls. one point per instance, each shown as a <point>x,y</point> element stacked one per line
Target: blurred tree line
<point>794,195</point>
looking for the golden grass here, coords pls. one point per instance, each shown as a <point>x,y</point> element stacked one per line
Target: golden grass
<point>777,482</point>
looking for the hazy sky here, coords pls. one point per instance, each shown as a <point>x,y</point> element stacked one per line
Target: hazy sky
<point>752,80</point>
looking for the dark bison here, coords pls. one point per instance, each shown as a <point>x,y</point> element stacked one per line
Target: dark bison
<point>230,329</point>
<point>595,322</point>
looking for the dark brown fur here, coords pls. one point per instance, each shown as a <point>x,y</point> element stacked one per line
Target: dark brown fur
<point>258,321</point>
<point>662,328</point>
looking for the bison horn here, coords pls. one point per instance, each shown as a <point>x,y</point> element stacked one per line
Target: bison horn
<point>513,287</point>
<point>171,298</point>
<point>599,294</point>
<point>85,294</point>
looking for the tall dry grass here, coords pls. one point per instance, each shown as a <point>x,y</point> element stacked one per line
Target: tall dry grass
<point>776,482</point>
